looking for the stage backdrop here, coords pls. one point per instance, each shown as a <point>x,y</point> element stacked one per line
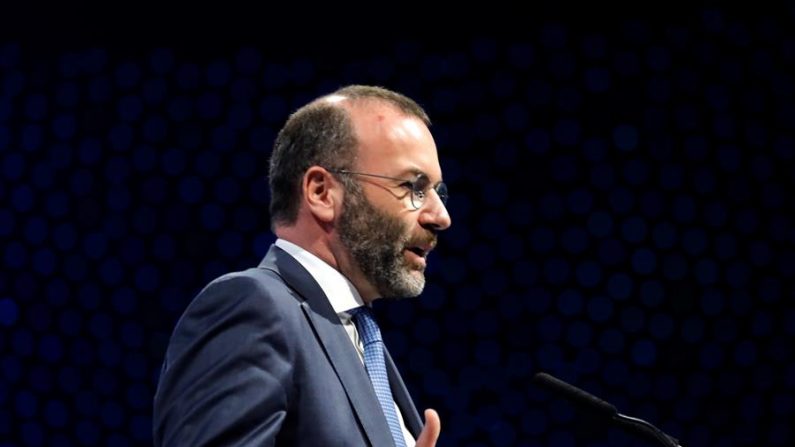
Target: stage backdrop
<point>621,196</point>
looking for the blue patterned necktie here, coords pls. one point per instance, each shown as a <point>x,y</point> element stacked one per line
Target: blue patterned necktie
<point>376,368</point>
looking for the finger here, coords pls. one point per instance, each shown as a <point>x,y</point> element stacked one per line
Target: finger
<point>431,430</point>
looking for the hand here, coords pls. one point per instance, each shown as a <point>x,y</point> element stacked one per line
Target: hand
<point>430,432</point>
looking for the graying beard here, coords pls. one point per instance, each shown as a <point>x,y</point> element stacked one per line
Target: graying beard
<point>375,241</point>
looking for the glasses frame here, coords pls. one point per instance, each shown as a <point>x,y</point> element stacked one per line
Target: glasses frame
<point>417,195</point>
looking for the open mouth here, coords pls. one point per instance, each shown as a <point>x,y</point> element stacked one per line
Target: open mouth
<point>418,251</point>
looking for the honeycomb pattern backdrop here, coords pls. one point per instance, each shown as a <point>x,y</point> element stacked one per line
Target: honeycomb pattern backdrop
<point>622,219</point>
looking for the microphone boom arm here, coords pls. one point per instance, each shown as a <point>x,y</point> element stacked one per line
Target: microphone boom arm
<point>603,408</point>
<point>645,428</point>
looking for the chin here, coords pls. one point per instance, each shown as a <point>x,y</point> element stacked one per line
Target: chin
<point>413,284</point>
<point>402,279</point>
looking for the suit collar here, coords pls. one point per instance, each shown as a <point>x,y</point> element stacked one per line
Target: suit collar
<point>339,291</point>
<point>341,353</point>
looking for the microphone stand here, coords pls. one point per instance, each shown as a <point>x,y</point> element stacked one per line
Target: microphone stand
<point>644,428</point>
<point>593,403</point>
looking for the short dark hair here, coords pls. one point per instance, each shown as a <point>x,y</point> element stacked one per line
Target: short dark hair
<point>321,134</point>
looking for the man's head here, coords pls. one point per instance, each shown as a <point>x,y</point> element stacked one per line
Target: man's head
<point>341,176</point>
<point>321,134</point>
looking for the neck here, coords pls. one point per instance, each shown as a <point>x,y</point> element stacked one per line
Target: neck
<point>331,251</point>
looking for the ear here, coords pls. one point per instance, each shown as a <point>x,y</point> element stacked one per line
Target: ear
<point>322,194</point>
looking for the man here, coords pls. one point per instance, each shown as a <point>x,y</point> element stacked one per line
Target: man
<point>274,355</point>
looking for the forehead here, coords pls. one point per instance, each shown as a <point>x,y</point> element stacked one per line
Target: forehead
<point>393,142</point>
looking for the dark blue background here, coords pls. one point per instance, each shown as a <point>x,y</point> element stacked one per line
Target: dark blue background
<point>620,192</point>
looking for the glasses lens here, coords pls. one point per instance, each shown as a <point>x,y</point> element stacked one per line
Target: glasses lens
<point>419,188</point>
<point>441,190</point>
<point>418,195</point>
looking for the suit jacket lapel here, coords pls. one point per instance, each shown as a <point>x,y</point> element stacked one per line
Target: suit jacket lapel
<point>336,344</point>
<point>402,397</point>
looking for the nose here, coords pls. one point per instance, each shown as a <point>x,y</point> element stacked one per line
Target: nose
<point>434,215</point>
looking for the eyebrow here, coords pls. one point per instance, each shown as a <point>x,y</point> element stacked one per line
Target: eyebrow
<point>418,172</point>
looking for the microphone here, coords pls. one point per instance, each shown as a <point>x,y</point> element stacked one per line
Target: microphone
<point>605,409</point>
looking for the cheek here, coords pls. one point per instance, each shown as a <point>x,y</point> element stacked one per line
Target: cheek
<point>397,230</point>
<point>399,215</point>
<point>408,222</point>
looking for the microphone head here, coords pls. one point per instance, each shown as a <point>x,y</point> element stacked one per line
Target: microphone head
<point>576,395</point>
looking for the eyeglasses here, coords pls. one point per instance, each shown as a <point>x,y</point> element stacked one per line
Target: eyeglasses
<point>418,188</point>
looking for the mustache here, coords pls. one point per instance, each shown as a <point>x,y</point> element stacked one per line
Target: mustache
<point>429,240</point>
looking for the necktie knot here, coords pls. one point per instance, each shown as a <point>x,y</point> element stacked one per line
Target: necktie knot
<point>365,323</point>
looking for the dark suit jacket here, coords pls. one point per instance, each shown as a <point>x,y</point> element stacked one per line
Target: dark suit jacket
<point>260,358</point>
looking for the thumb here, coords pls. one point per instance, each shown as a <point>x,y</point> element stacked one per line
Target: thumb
<point>430,432</point>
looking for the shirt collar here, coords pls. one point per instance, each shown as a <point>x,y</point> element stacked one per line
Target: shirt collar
<point>341,293</point>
